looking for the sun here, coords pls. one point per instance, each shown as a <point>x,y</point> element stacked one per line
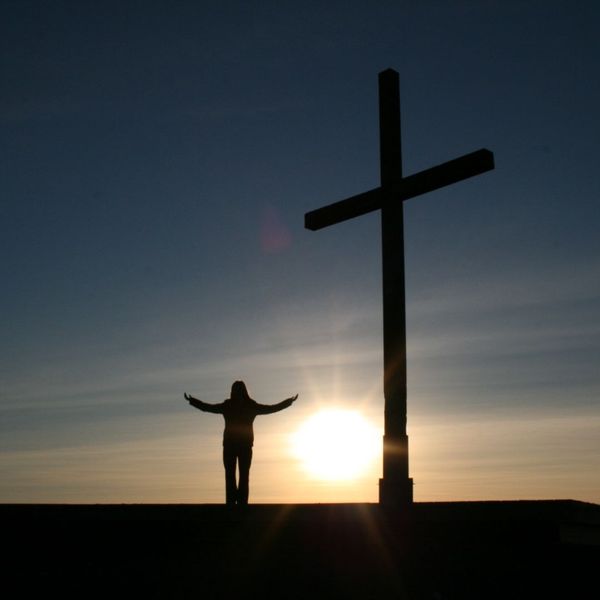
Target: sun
<point>336,445</point>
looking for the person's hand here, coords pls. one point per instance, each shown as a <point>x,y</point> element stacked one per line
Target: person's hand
<point>293,398</point>
<point>187,397</point>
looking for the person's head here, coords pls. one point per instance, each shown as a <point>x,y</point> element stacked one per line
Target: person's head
<point>239,393</point>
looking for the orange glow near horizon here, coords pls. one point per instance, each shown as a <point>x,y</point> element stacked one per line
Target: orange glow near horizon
<point>532,455</point>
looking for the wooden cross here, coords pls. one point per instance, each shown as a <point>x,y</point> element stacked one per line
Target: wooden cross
<point>396,487</point>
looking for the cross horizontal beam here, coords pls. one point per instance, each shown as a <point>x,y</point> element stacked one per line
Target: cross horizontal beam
<point>439,176</point>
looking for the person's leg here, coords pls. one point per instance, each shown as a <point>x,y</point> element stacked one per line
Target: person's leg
<point>229,460</point>
<point>244,461</point>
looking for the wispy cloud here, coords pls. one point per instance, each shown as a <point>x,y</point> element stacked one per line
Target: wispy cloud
<point>529,287</point>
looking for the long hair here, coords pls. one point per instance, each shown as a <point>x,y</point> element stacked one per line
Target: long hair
<point>239,393</point>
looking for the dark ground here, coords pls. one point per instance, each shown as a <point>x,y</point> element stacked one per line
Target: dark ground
<point>527,549</point>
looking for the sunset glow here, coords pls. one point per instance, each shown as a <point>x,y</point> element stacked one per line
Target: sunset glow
<point>336,445</point>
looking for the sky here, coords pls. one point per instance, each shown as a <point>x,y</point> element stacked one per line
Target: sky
<point>156,162</point>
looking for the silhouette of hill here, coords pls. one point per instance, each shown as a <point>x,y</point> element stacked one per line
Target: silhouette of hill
<point>523,549</point>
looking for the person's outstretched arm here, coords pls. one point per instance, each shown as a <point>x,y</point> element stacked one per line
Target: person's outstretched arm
<point>267,409</point>
<point>211,408</point>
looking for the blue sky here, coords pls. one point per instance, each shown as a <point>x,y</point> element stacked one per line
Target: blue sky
<point>156,163</point>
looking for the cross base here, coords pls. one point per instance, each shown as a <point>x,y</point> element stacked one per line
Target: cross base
<point>396,492</point>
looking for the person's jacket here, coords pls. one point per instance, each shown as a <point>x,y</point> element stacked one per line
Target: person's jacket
<point>239,417</point>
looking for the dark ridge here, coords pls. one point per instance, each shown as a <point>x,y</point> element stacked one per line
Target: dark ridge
<point>522,549</point>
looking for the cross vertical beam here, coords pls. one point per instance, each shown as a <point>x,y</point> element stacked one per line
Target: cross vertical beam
<point>395,487</point>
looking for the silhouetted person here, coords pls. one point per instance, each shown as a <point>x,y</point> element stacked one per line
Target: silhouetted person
<point>239,412</point>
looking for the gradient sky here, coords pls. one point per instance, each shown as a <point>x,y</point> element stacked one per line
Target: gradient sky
<point>156,161</point>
